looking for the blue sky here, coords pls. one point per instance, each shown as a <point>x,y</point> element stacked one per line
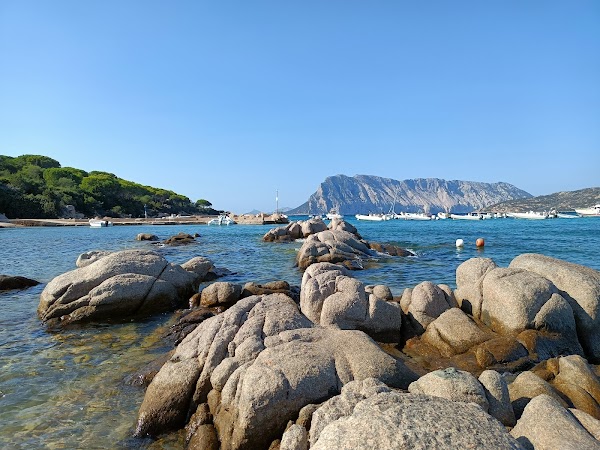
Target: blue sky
<point>232,100</point>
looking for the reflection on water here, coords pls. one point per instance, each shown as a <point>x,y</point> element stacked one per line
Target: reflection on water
<point>67,388</point>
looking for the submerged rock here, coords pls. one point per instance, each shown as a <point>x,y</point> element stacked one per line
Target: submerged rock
<point>9,282</point>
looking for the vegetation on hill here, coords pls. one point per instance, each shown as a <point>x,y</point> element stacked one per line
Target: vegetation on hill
<point>560,201</point>
<point>35,186</point>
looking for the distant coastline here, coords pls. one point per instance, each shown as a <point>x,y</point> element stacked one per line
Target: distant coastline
<point>244,219</point>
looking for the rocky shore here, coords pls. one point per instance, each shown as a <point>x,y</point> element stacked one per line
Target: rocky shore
<point>260,219</point>
<point>504,361</point>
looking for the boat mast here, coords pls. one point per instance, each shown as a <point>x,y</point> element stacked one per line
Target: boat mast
<point>277,202</point>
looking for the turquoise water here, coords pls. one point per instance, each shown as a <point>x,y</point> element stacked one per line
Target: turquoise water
<point>68,389</point>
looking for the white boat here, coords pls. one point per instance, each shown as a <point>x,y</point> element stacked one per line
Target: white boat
<point>223,219</point>
<point>566,216</point>
<point>591,212</point>
<point>415,216</point>
<point>443,215</point>
<point>99,223</point>
<point>528,215</point>
<point>373,217</point>
<point>470,216</point>
<point>334,214</point>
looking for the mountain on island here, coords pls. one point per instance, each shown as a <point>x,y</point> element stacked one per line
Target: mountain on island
<point>363,194</point>
<point>561,201</point>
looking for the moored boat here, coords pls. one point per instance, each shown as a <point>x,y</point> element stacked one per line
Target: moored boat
<point>223,219</point>
<point>470,216</point>
<point>528,215</point>
<point>373,217</point>
<point>589,212</point>
<point>334,214</point>
<point>100,223</point>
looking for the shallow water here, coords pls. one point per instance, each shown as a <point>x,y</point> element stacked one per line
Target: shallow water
<point>67,389</point>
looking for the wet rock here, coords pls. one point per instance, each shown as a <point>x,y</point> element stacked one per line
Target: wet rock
<point>273,287</point>
<point>200,434</point>
<point>408,421</point>
<point>180,239</point>
<point>545,423</point>
<point>388,249</point>
<point>575,380</point>
<point>123,284</point>
<point>8,282</point>
<point>188,323</point>
<point>146,237</point>
<point>501,350</point>
<point>580,286</point>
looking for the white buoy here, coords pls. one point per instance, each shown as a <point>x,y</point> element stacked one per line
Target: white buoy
<point>460,243</point>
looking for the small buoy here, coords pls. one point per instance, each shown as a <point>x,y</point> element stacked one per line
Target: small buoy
<point>460,243</point>
<point>480,242</point>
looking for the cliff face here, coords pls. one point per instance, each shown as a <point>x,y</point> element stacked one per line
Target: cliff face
<point>362,194</point>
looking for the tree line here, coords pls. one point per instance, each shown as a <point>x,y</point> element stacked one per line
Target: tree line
<point>35,186</point>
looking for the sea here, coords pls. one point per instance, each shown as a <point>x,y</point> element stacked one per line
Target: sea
<point>71,388</point>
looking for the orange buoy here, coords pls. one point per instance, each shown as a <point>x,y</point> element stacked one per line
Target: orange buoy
<point>480,242</point>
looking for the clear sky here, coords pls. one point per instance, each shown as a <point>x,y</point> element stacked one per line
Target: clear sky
<point>230,101</point>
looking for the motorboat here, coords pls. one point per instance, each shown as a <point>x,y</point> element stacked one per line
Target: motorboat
<point>373,217</point>
<point>100,223</point>
<point>528,215</point>
<point>470,216</point>
<point>589,212</point>
<point>222,219</point>
<point>415,216</point>
<point>334,214</point>
<point>443,215</point>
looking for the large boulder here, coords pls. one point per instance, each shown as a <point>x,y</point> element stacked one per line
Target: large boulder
<point>580,286</point>
<point>424,303</point>
<point>297,368</point>
<point>389,420</point>
<point>469,278</point>
<point>234,337</point>
<point>546,424</point>
<point>121,284</point>
<point>453,333</point>
<point>330,297</point>
<point>452,384</point>
<point>527,386</point>
<point>516,301</point>
<point>333,247</point>
<point>575,380</point>
<point>9,282</point>
<point>498,397</point>
<point>220,293</point>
